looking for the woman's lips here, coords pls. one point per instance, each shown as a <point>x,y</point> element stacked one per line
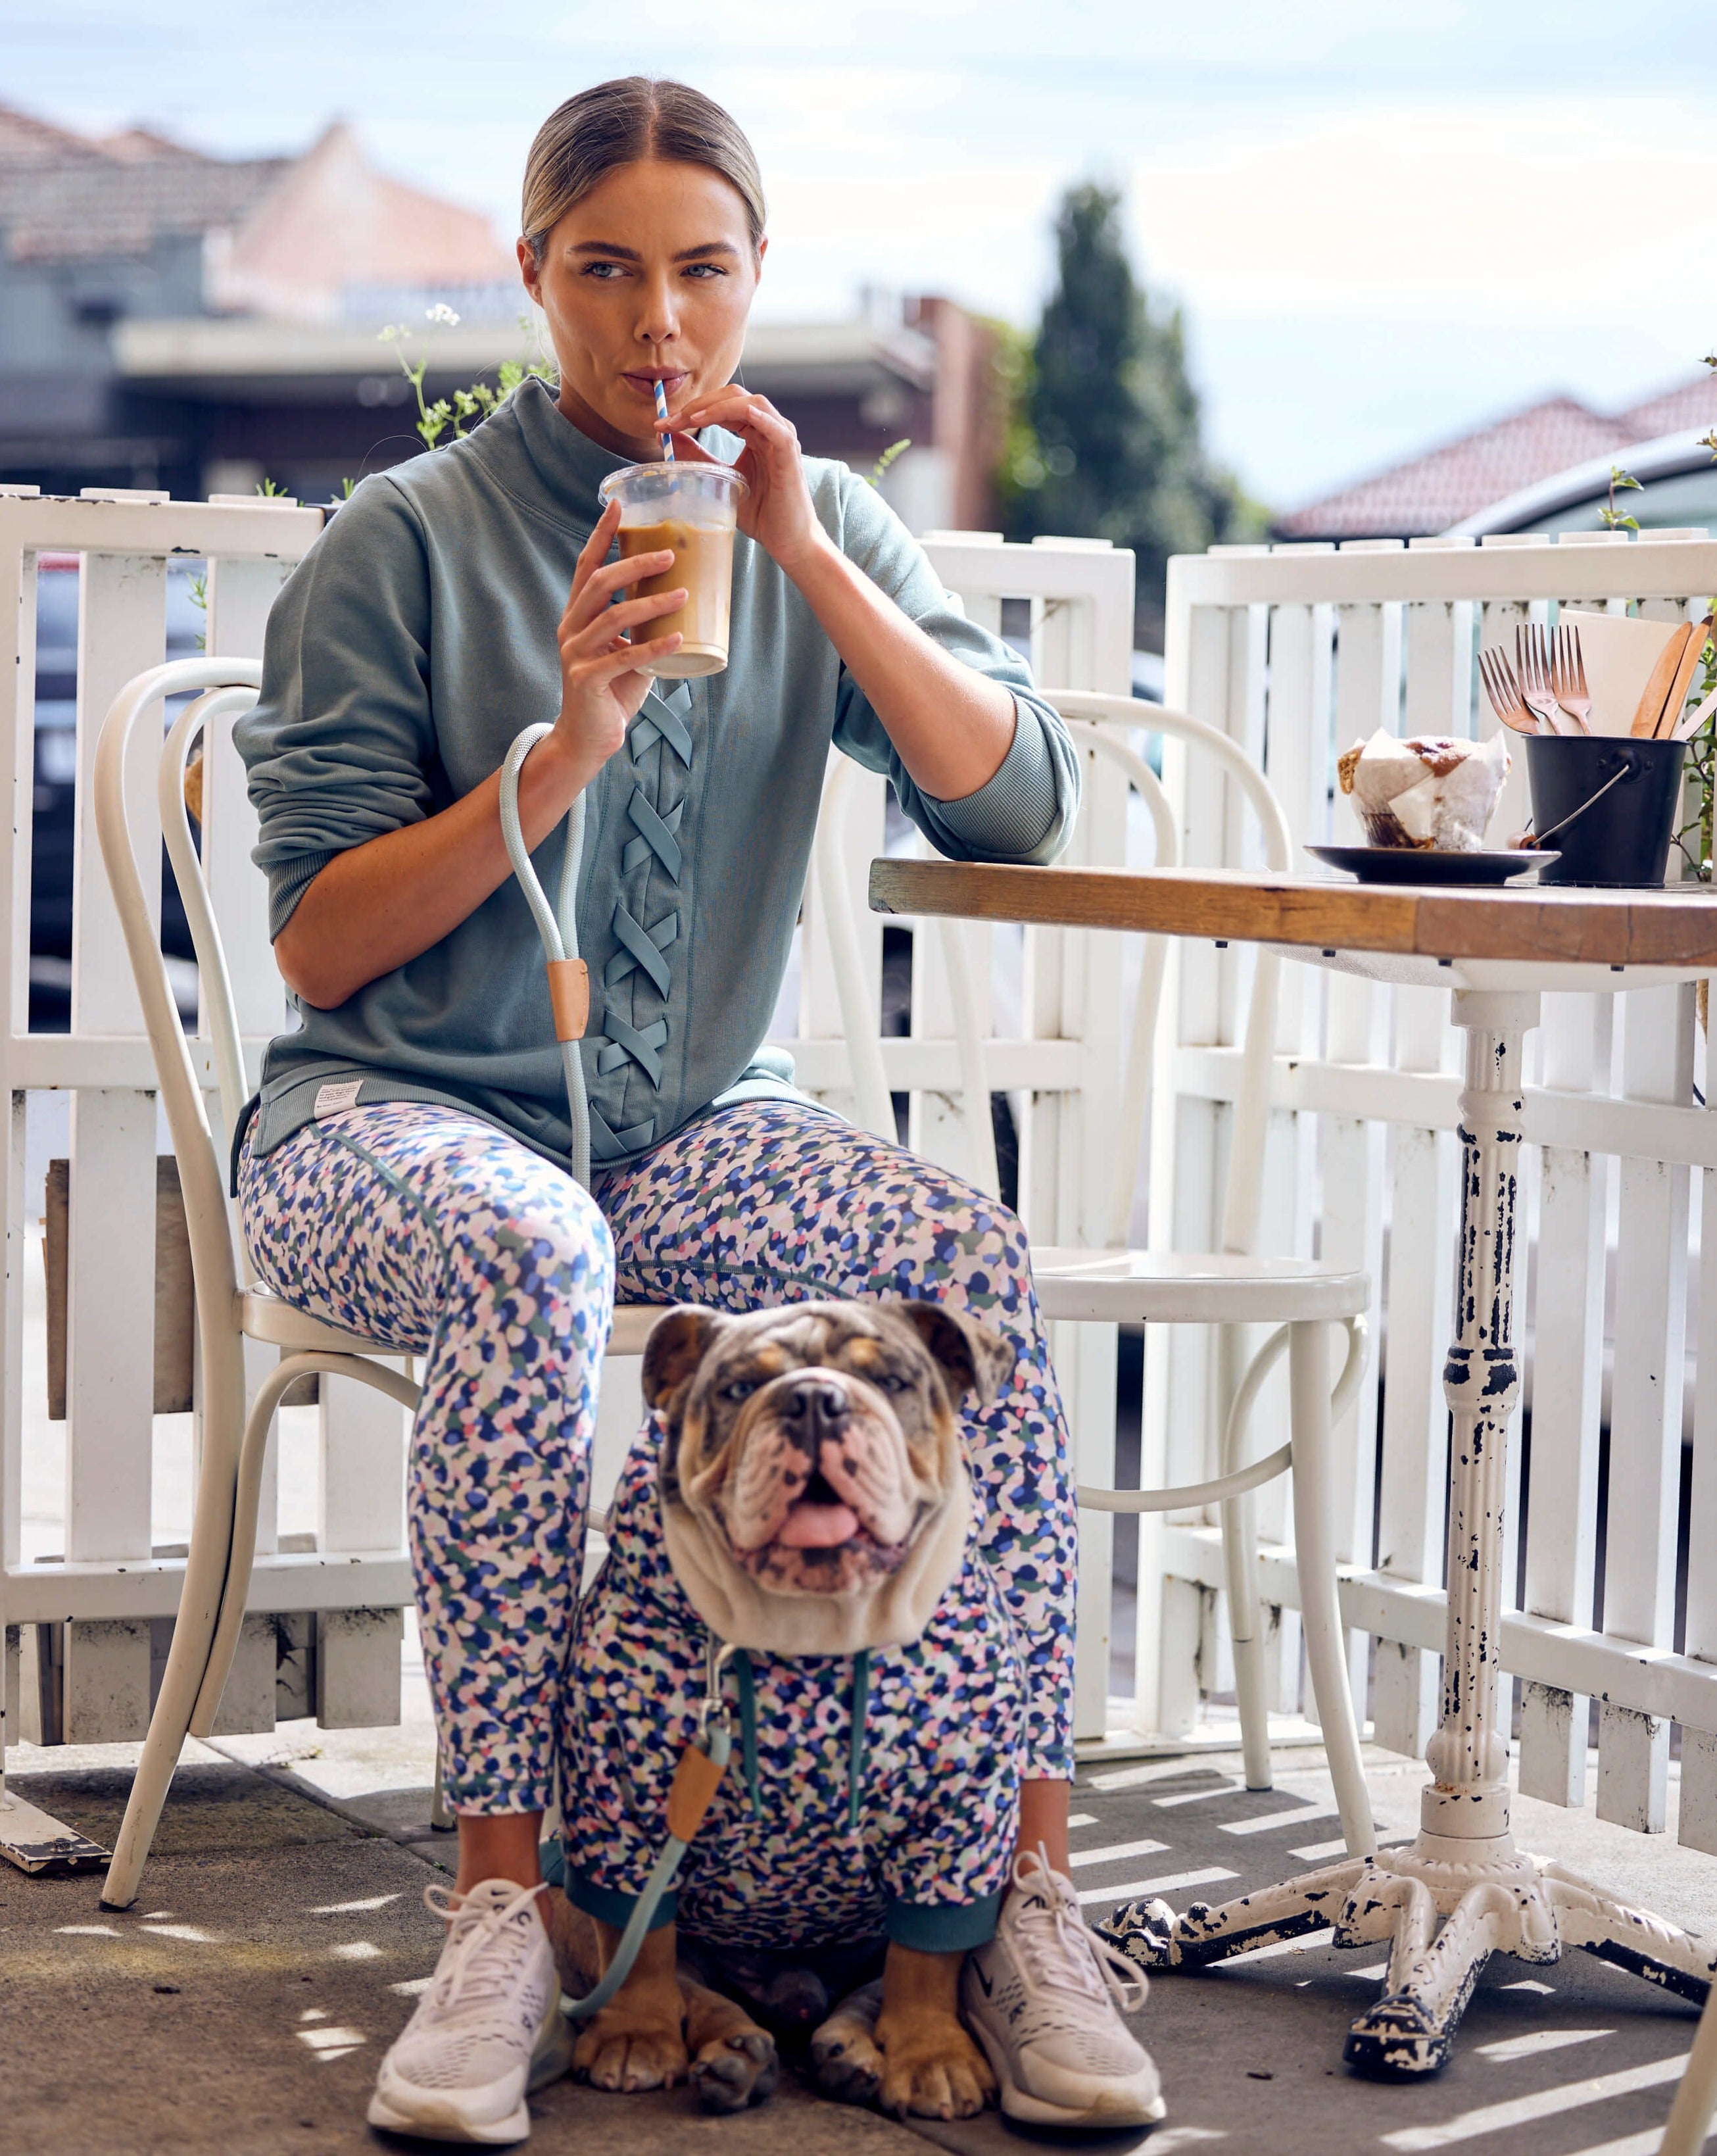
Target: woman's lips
<point>808,1526</point>
<point>645,384</point>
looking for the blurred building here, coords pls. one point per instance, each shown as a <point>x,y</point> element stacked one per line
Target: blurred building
<point>197,324</point>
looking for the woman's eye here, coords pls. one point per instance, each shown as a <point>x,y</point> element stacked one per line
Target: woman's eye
<point>703,270</point>
<point>605,273</point>
<point>742,1389</point>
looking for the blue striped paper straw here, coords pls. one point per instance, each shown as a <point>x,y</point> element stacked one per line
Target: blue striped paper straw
<point>662,416</point>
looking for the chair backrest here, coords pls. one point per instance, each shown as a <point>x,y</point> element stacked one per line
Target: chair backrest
<point>1100,724</point>
<point>228,685</point>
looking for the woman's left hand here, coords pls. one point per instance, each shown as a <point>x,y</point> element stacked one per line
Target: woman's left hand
<point>776,510</point>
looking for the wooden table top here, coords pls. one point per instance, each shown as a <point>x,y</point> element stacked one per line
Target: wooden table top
<point>1541,925</point>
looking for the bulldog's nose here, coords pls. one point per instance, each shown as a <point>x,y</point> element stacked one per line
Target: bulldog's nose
<point>814,1412</point>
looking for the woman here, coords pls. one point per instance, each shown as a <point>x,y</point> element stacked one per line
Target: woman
<point>405,1172</point>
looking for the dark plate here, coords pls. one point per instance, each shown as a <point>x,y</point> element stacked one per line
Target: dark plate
<point>1409,864</point>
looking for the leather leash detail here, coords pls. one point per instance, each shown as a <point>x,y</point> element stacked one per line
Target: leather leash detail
<point>569,997</point>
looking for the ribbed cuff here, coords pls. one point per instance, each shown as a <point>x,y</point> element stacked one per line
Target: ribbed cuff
<point>1014,811</point>
<point>608,1907</point>
<point>943,1926</point>
<point>288,882</point>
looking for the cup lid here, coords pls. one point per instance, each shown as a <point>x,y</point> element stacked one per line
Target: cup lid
<point>712,477</point>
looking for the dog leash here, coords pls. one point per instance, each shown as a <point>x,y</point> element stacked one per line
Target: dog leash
<point>568,976</point>
<point>696,1780</point>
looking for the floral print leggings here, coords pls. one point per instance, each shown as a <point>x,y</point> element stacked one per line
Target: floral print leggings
<point>438,1234</point>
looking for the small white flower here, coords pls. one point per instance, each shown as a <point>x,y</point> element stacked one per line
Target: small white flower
<point>391,334</point>
<point>443,314</point>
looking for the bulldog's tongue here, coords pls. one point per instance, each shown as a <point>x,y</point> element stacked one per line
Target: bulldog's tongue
<point>808,1526</point>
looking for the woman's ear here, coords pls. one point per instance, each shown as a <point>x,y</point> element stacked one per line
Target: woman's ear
<point>529,271</point>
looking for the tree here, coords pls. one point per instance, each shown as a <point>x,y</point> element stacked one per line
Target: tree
<point>1102,439</point>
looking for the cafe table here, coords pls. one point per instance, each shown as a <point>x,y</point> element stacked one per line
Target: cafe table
<point>1461,1890</point>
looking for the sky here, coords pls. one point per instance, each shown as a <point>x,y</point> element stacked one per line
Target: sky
<point>1385,224</point>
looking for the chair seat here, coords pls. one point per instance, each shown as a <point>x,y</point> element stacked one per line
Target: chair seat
<point>265,1315</point>
<point>1172,1287</point>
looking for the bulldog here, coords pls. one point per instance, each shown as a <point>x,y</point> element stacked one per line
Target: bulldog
<point>806,1505</point>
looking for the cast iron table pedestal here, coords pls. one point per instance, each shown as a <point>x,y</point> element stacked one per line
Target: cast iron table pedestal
<point>1463,1869</point>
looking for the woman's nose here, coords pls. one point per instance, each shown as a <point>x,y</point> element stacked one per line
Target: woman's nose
<point>659,322</point>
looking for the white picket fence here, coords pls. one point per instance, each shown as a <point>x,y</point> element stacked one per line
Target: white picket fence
<point>106,1595</point>
<point>1293,650</point>
<point>1297,651</point>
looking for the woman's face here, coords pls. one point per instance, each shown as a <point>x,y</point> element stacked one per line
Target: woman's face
<point>649,277</point>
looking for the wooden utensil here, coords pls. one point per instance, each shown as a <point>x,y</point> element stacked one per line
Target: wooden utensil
<point>1650,708</point>
<point>1698,636</point>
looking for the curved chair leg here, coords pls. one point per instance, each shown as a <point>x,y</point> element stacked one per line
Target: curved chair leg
<point>1695,2102</point>
<point>201,1656</point>
<point>208,1557</point>
<point>1245,1629</point>
<point>168,1727</point>
<point>248,1493</point>
<point>1314,1553</point>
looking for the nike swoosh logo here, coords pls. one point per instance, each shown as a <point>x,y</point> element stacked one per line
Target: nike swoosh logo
<point>984,1984</point>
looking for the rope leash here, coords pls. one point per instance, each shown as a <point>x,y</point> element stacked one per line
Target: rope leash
<point>568,976</point>
<point>696,1780</point>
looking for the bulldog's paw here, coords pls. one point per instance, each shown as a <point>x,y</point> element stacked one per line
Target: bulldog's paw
<point>632,2044</point>
<point>844,2053</point>
<point>737,2071</point>
<point>931,2068</point>
<point>733,2061</point>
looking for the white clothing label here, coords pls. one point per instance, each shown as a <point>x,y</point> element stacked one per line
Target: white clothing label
<point>331,1099</point>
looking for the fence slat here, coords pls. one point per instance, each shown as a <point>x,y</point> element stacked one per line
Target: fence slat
<point>1645,1414</point>
<point>109,1305</point>
<point>1567,1369</point>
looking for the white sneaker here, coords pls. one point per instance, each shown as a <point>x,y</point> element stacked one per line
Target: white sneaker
<point>1045,1998</point>
<point>488,2030</point>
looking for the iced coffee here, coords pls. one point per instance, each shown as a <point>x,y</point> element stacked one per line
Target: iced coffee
<point>688,509</point>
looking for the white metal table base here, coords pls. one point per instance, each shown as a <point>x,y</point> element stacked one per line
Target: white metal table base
<point>1463,1868</point>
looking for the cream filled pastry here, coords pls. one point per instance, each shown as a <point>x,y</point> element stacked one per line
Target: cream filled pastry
<point>1429,791</point>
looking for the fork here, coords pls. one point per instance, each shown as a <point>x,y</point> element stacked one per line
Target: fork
<point>1504,692</point>
<point>1568,676</point>
<point>1531,656</point>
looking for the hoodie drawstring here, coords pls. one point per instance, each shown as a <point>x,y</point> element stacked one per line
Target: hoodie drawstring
<point>855,1754</point>
<point>747,1679</point>
<point>745,1676</point>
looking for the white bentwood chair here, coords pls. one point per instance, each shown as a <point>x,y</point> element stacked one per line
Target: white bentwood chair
<point>232,1304</point>
<point>1114,1285</point>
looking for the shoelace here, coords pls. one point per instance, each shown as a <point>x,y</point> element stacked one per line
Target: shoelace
<point>1061,1950</point>
<point>461,1975</point>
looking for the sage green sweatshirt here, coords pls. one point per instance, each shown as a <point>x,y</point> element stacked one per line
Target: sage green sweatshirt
<point>414,642</point>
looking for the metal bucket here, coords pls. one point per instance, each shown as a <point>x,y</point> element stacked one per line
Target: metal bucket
<point>1608,803</point>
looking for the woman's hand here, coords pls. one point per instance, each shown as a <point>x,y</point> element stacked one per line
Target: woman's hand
<point>601,686</point>
<point>776,511</point>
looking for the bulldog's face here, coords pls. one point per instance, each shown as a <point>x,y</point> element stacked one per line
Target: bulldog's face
<point>816,1439</point>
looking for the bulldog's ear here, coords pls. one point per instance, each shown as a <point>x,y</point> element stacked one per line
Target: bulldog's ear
<point>677,1344</point>
<point>973,1359</point>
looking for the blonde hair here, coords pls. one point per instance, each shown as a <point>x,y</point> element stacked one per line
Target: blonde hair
<point>620,122</point>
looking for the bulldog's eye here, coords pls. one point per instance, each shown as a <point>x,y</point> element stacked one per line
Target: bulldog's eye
<point>742,1389</point>
<point>890,1383</point>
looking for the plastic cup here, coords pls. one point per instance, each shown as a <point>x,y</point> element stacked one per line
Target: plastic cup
<point>691,509</point>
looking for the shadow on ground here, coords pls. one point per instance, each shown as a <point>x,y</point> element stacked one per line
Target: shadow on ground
<point>243,2005</point>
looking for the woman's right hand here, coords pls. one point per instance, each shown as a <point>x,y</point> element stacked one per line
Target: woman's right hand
<point>601,686</point>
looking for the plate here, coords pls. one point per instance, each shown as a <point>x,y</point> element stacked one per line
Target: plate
<point>1411,865</point>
